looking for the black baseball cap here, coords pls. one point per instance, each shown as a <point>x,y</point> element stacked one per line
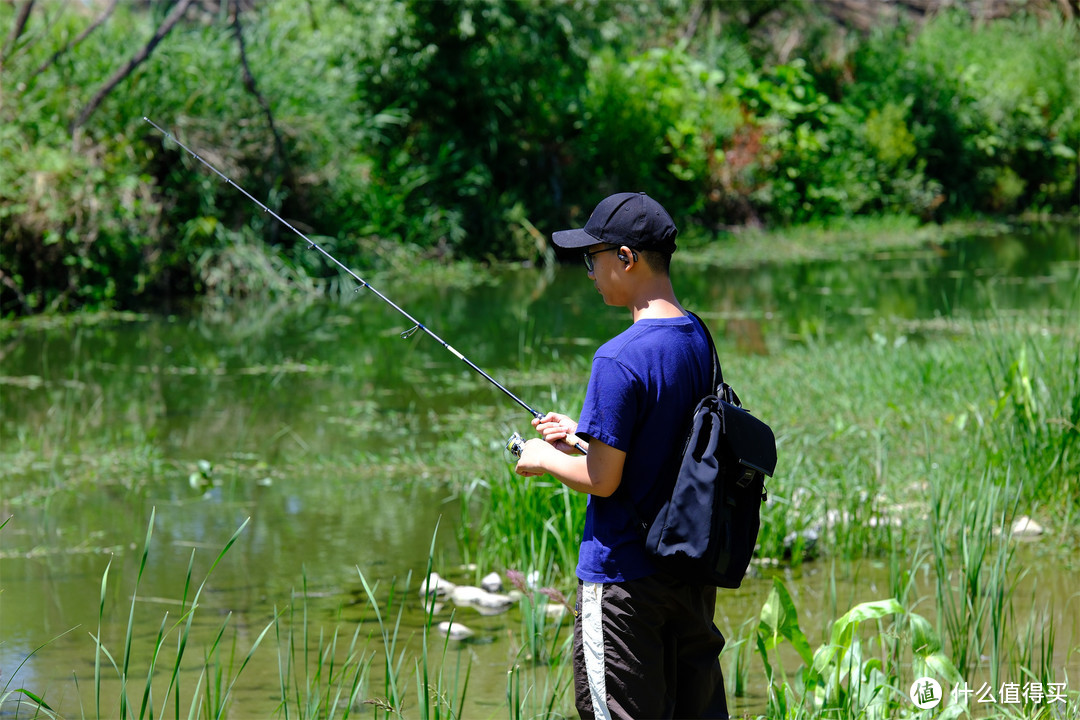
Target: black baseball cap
<point>631,219</point>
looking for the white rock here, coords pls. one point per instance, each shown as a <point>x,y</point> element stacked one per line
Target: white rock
<point>455,630</point>
<point>480,599</point>
<point>1025,527</point>
<point>492,582</point>
<point>555,610</point>
<point>436,585</point>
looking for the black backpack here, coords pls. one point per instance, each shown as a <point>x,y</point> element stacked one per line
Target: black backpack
<point>707,524</point>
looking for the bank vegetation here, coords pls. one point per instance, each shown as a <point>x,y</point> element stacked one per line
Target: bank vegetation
<point>470,130</point>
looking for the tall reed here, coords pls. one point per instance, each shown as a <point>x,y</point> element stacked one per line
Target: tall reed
<point>315,681</point>
<point>974,582</point>
<point>440,688</point>
<point>540,676</point>
<point>968,527</point>
<point>324,675</point>
<point>524,524</point>
<point>213,686</point>
<point>37,704</point>
<point>1034,417</point>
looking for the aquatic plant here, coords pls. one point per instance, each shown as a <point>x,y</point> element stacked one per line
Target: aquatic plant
<point>1034,423</point>
<point>530,524</point>
<point>213,699</point>
<point>37,703</point>
<point>969,527</point>
<point>319,679</point>
<point>844,678</point>
<point>440,689</point>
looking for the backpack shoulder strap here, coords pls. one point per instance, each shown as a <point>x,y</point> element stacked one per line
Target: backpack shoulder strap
<point>723,390</point>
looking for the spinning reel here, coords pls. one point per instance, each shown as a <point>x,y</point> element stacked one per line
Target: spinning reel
<point>515,444</point>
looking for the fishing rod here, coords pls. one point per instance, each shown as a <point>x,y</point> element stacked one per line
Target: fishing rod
<point>515,442</point>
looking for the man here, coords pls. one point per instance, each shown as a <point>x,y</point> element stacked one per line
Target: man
<point>645,645</point>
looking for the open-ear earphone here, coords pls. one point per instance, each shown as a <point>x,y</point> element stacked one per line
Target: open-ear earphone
<point>633,253</point>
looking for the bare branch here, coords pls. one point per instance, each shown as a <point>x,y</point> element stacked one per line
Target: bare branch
<point>120,75</point>
<point>82,36</point>
<point>17,29</point>
<point>249,83</point>
<point>695,17</point>
<point>13,286</point>
<point>281,158</point>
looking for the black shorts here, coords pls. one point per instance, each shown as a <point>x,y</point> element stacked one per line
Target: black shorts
<point>646,649</point>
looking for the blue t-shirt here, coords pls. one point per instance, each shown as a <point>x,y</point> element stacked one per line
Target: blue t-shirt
<point>644,385</point>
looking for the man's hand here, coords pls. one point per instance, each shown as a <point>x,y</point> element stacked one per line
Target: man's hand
<point>597,474</point>
<point>531,461</point>
<point>558,431</point>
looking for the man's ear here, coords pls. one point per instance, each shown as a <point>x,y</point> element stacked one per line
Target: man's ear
<point>625,251</point>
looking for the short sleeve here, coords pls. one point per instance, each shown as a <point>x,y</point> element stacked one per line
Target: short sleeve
<point>610,410</point>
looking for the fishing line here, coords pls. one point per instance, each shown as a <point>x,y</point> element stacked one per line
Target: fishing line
<point>417,325</point>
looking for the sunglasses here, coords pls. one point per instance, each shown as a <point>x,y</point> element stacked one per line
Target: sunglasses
<point>588,256</point>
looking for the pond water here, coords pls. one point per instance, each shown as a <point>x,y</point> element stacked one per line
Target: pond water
<point>324,429</point>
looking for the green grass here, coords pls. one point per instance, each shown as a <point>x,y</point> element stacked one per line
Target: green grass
<point>827,239</point>
<point>865,661</point>
<point>438,694</point>
<point>521,524</point>
<point>215,681</point>
<point>323,678</point>
<point>871,655</point>
<point>323,672</point>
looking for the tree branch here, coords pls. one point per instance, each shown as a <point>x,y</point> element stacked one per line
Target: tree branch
<point>82,36</point>
<point>280,157</point>
<point>120,75</point>
<point>249,84</point>
<point>10,283</point>
<point>17,30</point>
<point>695,17</point>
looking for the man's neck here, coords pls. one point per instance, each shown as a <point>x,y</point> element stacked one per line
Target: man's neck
<point>656,301</point>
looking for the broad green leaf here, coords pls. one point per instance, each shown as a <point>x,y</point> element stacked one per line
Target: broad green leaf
<point>844,628</point>
<point>780,621</point>
<point>924,640</point>
<point>941,665</point>
<point>843,633</point>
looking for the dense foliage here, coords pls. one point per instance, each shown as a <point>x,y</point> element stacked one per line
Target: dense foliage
<point>474,128</point>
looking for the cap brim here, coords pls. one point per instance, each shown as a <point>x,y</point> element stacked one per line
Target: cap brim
<point>573,238</point>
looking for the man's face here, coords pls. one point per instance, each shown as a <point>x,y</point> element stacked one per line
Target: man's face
<point>606,271</point>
